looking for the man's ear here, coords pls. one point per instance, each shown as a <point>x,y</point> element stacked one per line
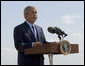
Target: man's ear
<point>25,15</point>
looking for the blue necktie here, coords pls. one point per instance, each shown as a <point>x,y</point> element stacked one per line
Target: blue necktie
<point>34,32</point>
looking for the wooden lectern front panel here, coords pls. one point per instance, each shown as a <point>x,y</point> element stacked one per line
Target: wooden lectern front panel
<point>49,48</point>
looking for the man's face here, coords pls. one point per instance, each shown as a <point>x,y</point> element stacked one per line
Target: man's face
<point>32,15</point>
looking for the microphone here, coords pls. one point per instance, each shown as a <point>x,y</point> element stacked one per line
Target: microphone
<point>57,31</point>
<point>51,30</point>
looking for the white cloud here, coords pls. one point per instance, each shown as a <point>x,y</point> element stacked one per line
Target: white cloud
<point>77,35</point>
<point>76,38</point>
<point>69,19</point>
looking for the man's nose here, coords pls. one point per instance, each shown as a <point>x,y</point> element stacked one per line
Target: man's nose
<point>35,14</point>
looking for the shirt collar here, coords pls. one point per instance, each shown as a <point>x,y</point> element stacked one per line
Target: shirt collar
<point>29,23</point>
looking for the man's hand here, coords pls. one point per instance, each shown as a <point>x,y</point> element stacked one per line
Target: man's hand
<point>57,42</point>
<point>36,44</point>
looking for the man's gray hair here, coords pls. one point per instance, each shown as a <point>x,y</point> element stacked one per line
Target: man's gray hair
<point>26,10</point>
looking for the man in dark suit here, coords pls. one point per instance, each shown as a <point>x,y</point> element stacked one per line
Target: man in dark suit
<point>28,35</point>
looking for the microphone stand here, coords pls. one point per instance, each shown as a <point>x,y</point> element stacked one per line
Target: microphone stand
<point>61,37</point>
<point>51,58</point>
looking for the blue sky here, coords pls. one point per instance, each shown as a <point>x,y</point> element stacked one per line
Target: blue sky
<point>67,15</point>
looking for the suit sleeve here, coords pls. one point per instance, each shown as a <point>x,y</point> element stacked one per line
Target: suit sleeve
<point>20,45</point>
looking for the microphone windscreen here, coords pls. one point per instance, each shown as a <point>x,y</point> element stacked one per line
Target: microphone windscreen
<point>51,30</point>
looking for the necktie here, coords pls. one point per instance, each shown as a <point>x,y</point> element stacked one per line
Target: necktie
<point>34,32</point>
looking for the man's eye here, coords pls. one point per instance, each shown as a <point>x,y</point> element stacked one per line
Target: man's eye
<point>35,12</point>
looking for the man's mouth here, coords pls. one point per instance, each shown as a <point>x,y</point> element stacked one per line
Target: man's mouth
<point>34,17</point>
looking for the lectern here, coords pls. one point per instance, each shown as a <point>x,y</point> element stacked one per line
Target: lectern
<point>61,47</point>
<point>52,48</point>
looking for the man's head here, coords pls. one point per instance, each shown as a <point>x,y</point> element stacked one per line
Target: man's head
<point>30,14</point>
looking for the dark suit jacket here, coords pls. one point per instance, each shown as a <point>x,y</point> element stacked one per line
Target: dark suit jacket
<point>23,38</point>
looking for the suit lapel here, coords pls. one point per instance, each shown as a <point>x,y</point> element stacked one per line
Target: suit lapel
<point>30,33</point>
